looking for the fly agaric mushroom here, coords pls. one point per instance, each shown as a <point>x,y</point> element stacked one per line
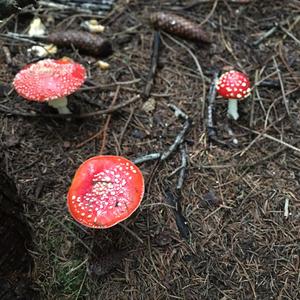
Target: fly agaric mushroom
<point>234,86</point>
<point>50,80</point>
<point>105,191</point>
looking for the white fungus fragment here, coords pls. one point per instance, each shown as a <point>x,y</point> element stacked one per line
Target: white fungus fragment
<point>36,28</point>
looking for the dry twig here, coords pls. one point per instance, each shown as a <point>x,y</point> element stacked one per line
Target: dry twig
<point>105,128</point>
<point>153,66</point>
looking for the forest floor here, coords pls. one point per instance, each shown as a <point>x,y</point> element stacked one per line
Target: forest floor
<point>241,201</point>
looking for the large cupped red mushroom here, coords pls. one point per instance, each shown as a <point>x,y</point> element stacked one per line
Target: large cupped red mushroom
<point>105,191</point>
<point>50,80</point>
<point>234,86</point>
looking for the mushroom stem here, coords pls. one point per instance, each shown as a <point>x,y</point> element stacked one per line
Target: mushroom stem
<point>61,104</point>
<point>232,112</point>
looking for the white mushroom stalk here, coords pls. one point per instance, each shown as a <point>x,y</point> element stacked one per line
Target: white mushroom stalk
<point>61,104</point>
<point>232,110</point>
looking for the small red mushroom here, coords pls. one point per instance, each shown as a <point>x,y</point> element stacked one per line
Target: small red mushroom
<point>233,85</point>
<point>105,191</point>
<point>50,80</point>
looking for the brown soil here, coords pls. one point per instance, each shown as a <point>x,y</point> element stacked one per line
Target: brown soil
<point>240,244</point>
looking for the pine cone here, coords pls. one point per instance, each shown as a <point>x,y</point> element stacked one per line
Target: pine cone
<point>179,26</point>
<point>83,41</point>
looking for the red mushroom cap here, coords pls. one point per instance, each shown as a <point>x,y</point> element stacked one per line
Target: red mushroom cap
<point>105,191</point>
<point>49,79</point>
<point>234,85</point>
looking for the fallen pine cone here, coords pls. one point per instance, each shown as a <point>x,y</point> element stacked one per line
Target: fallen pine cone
<point>84,41</point>
<point>179,26</point>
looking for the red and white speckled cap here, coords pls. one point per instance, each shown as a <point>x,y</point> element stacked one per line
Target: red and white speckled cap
<point>49,79</point>
<point>105,191</point>
<point>233,85</point>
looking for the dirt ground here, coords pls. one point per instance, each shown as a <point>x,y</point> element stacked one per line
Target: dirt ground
<point>241,202</point>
